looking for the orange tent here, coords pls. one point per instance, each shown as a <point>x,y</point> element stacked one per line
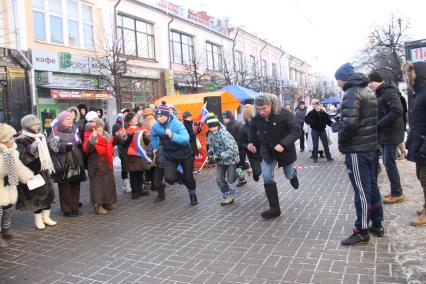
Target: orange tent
<point>194,103</point>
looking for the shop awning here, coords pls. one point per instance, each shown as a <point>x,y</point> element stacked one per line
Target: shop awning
<point>81,95</point>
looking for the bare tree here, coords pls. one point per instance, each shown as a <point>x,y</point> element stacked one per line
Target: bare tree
<point>196,70</point>
<point>385,51</point>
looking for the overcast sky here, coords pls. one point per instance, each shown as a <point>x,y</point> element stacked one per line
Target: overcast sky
<point>324,33</point>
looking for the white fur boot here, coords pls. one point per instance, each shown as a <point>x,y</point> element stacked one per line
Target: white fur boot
<point>38,221</point>
<point>46,218</point>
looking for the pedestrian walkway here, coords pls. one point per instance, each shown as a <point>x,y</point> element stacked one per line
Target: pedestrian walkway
<point>173,242</point>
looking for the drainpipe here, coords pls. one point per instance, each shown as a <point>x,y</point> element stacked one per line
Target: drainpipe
<point>233,51</point>
<point>260,59</point>
<point>168,38</point>
<point>281,74</point>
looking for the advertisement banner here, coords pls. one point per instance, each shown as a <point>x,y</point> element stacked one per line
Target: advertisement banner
<point>80,95</point>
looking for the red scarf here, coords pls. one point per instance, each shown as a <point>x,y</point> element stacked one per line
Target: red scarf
<point>104,148</point>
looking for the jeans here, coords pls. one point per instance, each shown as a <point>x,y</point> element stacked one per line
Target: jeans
<point>228,172</point>
<point>269,168</point>
<point>171,176</point>
<point>368,202</point>
<point>316,135</point>
<point>389,160</point>
<point>421,176</point>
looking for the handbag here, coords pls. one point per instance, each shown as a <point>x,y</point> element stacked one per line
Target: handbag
<point>70,170</point>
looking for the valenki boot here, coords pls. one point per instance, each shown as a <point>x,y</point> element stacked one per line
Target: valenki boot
<point>46,218</point>
<point>274,202</point>
<point>38,221</point>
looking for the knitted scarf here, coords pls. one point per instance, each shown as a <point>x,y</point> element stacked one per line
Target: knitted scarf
<point>104,146</point>
<point>43,151</point>
<point>9,165</point>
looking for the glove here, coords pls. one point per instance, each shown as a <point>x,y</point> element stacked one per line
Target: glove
<point>212,159</point>
<point>34,148</point>
<point>69,147</point>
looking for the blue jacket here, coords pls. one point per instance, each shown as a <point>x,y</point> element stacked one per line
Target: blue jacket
<point>178,147</point>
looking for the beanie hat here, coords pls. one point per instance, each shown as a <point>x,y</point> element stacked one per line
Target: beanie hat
<point>6,132</point>
<point>375,77</point>
<point>148,111</point>
<point>63,115</point>
<point>301,103</point>
<point>82,106</point>
<point>212,120</point>
<point>186,114</point>
<point>344,72</point>
<point>227,114</point>
<point>162,109</point>
<point>129,116</point>
<point>29,121</point>
<point>91,115</point>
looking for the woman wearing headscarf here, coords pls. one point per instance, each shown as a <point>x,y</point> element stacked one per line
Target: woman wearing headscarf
<point>99,147</point>
<point>34,153</point>
<point>64,142</point>
<point>12,172</point>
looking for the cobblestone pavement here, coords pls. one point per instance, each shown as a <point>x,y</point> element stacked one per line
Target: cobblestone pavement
<point>172,242</point>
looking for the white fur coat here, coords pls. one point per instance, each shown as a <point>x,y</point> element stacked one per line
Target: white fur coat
<point>9,194</point>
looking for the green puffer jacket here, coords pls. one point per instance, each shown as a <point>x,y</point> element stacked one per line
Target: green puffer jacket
<point>223,145</point>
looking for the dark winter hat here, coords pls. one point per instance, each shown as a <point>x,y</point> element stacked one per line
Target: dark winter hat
<point>29,121</point>
<point>227,114</point>
<point>375,77</point>
<point>162,109</point>
<point>186,114</point>
<point>301,103</point>
<point>82,106</point>
<point>212,120</point>
<point>129,116</point>
<point>344,72</point>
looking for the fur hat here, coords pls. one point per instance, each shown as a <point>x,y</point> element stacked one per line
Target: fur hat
<point>162,109</point>
<point>345,72</point>
<point>129,116</point>
<point>186,114</point>
<point>98,122</point>
<point>29,121</point>
<point>414,72</point>
<point>6,132</point>
<point>212,120</point>
<point>148,111</point>
<point>247,112</point>
<point>91,115</point>
<point>63,115</point>
<point>375,77</point>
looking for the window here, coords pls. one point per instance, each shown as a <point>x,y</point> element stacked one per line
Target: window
<point>238,61</point>
<point>182,47</point>
<point>252,62</point>
<point>263,70</point>
<point>274,71</point>
<point>67,22</point>
<point>214,57</point>
<point>139,91</point>
<point>136,36</point>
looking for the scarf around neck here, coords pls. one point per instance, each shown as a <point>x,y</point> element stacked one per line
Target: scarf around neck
<point>43,151</point>
<point>9,165</point>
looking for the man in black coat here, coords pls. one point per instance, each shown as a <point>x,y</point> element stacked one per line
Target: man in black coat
<point>390,130</point>
<point>275,130</point>
<point>358,140</point>
<point>318,120</point>
<point>300,113</point>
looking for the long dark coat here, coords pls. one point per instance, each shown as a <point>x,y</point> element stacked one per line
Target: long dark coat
<point>101,176</point>
<point>39,198</point>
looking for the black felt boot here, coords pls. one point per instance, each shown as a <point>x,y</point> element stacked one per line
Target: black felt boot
<point>274,203</point>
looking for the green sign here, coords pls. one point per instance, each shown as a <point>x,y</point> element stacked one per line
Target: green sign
<point>210,87</point>
<point>66,59</point>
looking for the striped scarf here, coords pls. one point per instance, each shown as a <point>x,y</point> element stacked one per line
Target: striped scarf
<point>9,165</point>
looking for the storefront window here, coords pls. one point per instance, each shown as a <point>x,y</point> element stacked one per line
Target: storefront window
<point>139,91</point>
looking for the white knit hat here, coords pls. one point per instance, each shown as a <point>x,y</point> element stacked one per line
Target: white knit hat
<point>91,115</point>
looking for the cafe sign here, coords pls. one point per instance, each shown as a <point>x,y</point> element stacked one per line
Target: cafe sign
<point>80,95</point>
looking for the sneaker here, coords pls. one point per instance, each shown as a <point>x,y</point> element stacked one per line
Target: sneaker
<point>356,238</point>
<point>393,199</point>
<point>241,183</point>
<point>227,200</point>
<point>419,221</point>
<point>378,231</point>
<point>295,181</point>
<point>330,159</point>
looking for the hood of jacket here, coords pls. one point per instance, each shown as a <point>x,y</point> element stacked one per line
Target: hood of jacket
<point>415,74</point>
<point>358,79</point>
<point>77,118</point>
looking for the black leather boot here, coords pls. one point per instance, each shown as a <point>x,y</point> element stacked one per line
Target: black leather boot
<point>161,193</point>
<point>274,203</point>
